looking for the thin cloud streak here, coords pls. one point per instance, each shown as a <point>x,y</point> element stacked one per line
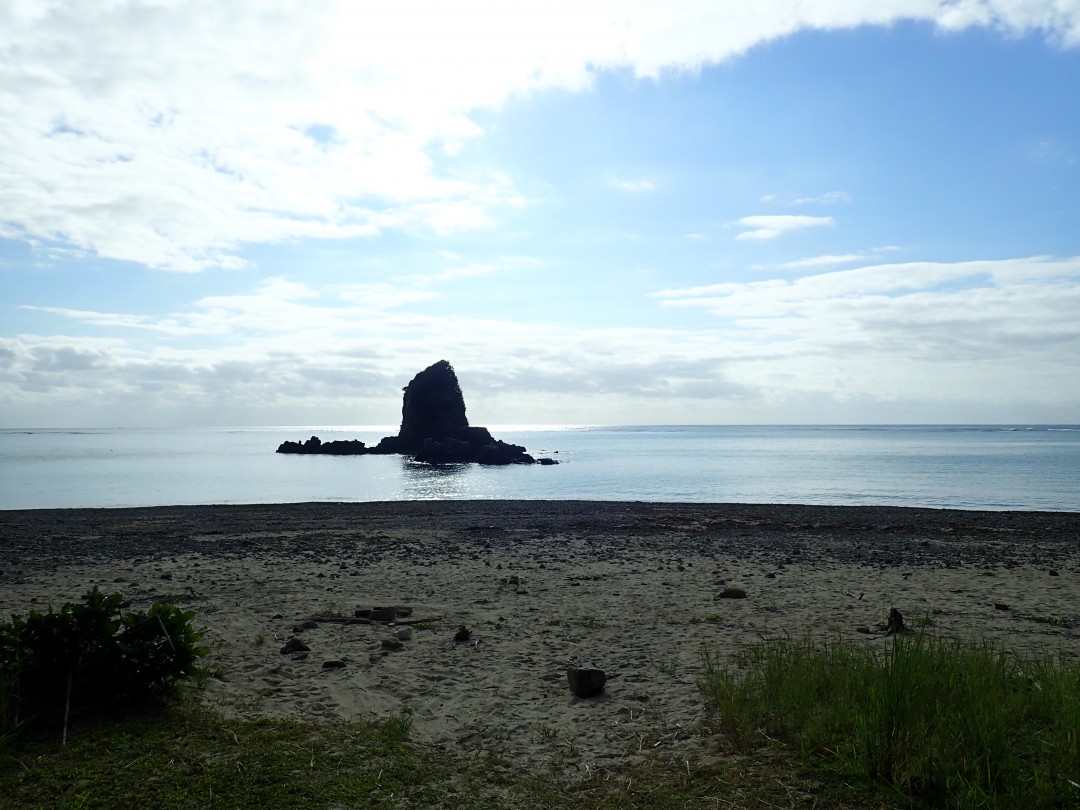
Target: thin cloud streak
<point>772,226</point>
<point>632,186</point>
<point>823,261</point>
<point>828,198</point>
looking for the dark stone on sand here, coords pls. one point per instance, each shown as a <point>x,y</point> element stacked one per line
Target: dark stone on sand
<point>382,614</point>
<point>895,624</point>
<point>434,429</point>
<point>585,680</point>
<point>463,634</point>
<point>333,663</point>
<point>731,593</point>
<point>1000,606</point>
<point>1053,573</point>
<point>294,645</point>
<point>392,644</point>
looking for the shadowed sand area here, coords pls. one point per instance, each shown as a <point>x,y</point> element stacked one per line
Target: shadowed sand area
<point>542,584</point>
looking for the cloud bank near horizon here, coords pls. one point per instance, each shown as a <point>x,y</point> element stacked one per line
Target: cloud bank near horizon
<point>945,330</point>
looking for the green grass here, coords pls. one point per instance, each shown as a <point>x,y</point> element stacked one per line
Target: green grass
<point>945,723</point>
<point>1054,621</point>
<point>189,756</point>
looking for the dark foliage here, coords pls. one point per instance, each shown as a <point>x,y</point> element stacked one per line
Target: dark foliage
<point>91,657</point>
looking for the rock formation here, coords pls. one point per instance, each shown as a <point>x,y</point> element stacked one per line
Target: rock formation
<point>434,429</point>
<point>351,447</point>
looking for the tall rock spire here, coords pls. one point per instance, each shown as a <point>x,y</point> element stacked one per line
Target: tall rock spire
<point>433,406</point>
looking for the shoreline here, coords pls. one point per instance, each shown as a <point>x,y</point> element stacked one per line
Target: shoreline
<point>912,535</point>
<point>630,586</point>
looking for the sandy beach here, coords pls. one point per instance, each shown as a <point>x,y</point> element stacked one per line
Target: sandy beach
<point>631,587</point>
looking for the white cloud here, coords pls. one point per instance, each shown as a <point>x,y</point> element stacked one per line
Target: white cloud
<point>828,260</point>
<point>632,186</point>
<point>381,296</point>
<point>828,198</point>
<point>823,261</point>
<point>173,133</point>
<point>1006,305</point>
<point>992,331</point>
<point>770,227</point>
<point>479,269</point>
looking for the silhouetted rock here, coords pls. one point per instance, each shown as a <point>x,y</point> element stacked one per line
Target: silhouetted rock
<point>433,408</point>
<point>341,447</point>
<point>434,429</point>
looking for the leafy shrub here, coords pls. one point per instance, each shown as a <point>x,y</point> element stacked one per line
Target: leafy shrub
<point>92,657</point>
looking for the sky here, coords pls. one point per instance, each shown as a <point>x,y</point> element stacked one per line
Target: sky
<point>221,212</point>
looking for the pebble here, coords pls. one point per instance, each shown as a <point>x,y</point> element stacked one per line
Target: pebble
<point>294,645</point>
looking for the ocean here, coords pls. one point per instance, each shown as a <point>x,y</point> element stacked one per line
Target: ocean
<point>1029,467</point>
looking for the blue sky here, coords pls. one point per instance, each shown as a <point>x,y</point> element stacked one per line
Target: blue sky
<point>232,213</point>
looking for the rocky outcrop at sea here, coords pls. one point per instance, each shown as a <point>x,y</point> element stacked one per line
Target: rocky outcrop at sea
<point>434,429</point>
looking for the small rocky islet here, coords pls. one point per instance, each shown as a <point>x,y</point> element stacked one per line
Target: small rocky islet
<point>434,429</point>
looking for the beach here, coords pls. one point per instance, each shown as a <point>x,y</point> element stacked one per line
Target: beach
<point>634,588</point>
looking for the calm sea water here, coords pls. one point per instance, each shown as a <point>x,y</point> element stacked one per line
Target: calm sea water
<point>965,467</point>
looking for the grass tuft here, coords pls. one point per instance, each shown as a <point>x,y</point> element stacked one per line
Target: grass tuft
<point>959,724</point>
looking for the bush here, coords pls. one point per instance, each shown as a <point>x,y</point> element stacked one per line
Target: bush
<point>92,657</point>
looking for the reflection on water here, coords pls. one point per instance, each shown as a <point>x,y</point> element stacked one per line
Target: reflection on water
<point>425,483</point>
